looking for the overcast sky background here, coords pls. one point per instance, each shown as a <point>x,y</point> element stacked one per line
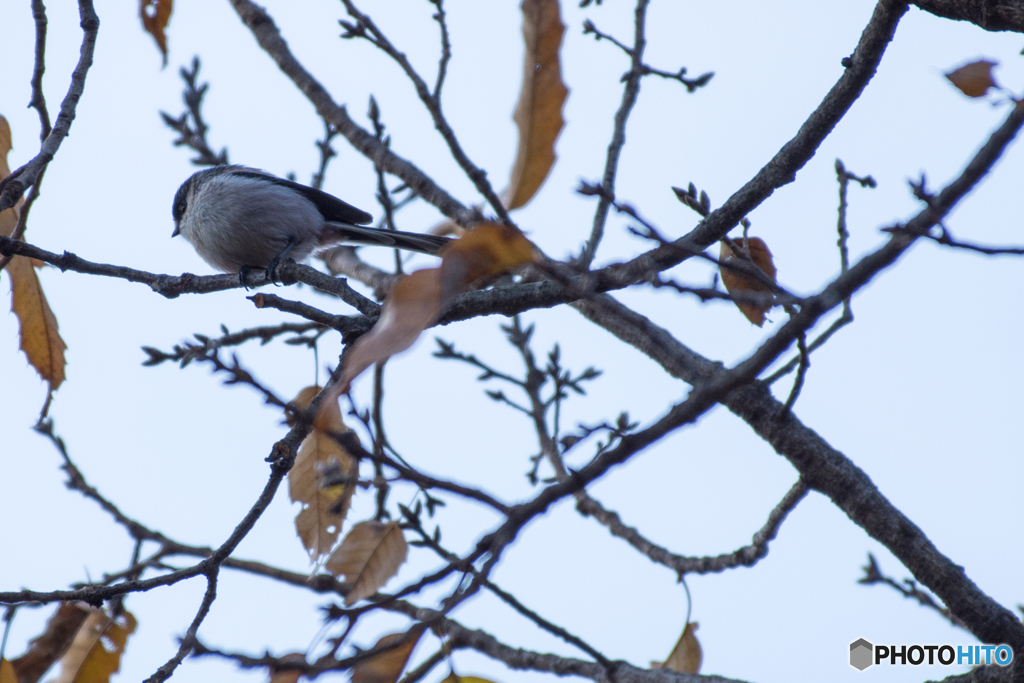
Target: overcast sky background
<point>922,391</point>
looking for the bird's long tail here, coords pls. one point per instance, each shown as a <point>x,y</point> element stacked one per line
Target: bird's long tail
<point>345,233</point>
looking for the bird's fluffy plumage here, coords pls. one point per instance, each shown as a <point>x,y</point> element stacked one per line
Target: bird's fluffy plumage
<point>238,217</point>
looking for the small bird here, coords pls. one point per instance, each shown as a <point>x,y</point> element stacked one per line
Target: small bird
<point>240,218</point>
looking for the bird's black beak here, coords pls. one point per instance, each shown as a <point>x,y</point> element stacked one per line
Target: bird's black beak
<point>176,232</point>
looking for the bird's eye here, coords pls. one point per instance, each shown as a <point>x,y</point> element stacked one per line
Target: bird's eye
<point>179,208</point>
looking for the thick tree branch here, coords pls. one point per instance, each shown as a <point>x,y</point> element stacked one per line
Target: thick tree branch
<point>991,15</point>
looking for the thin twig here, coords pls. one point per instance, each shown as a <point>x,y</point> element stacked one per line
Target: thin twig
<point>38,100</point>
<point>193,135</point>
<point>446,50</point>
<point>13,186</point>
<point>366,28</point>
<point>631,92</point>
<point>908,589</point>
<point>326,154</point>
<point>801,373</point>
<point>189,640</point>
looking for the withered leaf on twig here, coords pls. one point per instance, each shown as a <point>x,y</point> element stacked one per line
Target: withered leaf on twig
<point>387,666</point>
<point>538,113</point>
<point>323,509</point>
<point>95,654</point>
<point>368,557</point>
<point>39,334</point>
<point>736,282</point>
<point>50,645</point>
<point>419,299</point>
<point>974,79</point>
<point>156,15</point>
<point>686,656</point>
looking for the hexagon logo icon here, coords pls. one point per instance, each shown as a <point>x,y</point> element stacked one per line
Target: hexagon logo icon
<point>861,654</point>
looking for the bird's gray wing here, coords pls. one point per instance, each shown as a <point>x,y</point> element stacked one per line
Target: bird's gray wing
<point>330,207</point>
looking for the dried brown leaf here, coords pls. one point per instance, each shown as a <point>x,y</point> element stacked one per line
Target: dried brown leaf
<point>413,305</point>
<point>8,218</point>
<point>156,15</point>
<point>319,522</point>
<point>7,674</point>
<point>974,79</point>
<point>418,299</point>
<point>95,654</point>
<point>387,666</point>
<point>40,336</point>
<point>686,656</point>
<point>489,250</point>
<point>538,113</point>
<point>6,145</point>
<point>52,643</point>
<point>368,557</point>
<point>736,282</point>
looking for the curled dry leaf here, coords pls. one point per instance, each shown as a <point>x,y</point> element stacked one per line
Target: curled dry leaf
<point>974,79</point>
<point>49,646</point>
<point>156,14</point>
<point>489,250</point>
<point>95,654</point>
<point>419,299</point>
<point>319,522</point>
<point>39,334</point>
<point>686,656</point>
<point>413,305</point>
<point>368,557</point>
<point>538,113</point>
<point>736,282</point>
<point>387,666</point>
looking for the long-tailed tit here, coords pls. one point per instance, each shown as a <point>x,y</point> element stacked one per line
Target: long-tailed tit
<point>239,218</point>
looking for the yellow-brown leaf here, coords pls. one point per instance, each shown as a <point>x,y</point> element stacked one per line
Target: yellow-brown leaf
<point>368,557</point>
<point>156,14</point>
<point>8,218</point>
<point>974,79</point>
<point>418,299</point>
<point>7,674</point>
<point>488,250</point>
<point>686,656</point>
<point>95,654</point>
<point>6,145</point>
<point>387,666</point>
<point>538,113</point>
<point>413,305</point>
<point>52,643</point>
<point>323,509</point>
<point>736,282</point>
<point>40,336</point>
